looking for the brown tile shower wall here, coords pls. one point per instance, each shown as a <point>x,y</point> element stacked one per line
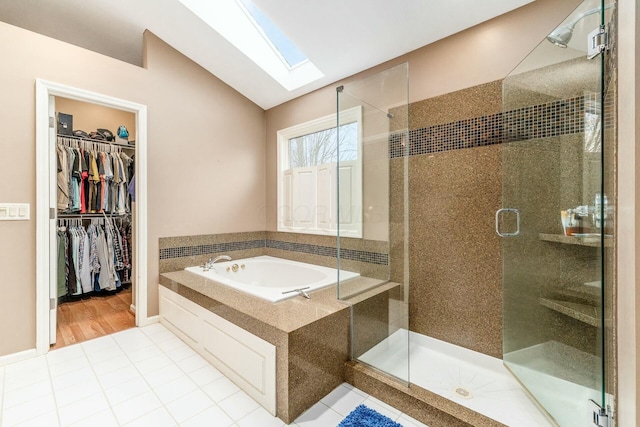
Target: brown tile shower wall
<point>370,258</point>
<point>459,148</point>
<point>455,266</point>
<point>455,256</point>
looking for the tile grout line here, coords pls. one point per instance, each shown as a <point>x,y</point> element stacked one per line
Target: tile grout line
<point>255,410</point>
<point>144,379</point>
<point>153,344</point>
<point>225,412</point>
<point>4,374</point>
<point>331,409</point>
<point>199,387</point>
<point>99,383</point>
<point>53,391</point>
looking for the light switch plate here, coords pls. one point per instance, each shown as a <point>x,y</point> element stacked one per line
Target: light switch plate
<point>15,211</point>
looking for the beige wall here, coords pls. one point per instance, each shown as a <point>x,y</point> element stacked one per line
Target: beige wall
<point>89,117</point>
<point>628,402</point>
<point>200,133</point>
<point>479,55</point>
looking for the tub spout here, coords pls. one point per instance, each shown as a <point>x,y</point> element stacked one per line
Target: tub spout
<point>209,264</point>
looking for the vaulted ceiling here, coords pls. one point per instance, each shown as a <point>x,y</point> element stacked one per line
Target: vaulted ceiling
<point>341,37</point>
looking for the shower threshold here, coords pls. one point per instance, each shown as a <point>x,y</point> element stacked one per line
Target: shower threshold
<point>474,380</point>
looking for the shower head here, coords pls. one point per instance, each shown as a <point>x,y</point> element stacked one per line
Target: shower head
<point>561,36</point>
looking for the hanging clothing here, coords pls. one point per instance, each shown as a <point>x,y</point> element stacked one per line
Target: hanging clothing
<point>63,179</point>
<point>62,265</point>
<point>93,255</point>
<point>92,259</point>
<point>93,181</point>
<point>125,233</point>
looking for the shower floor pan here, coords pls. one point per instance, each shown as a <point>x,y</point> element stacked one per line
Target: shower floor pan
<point>568,372</point>
<point>471,379</point>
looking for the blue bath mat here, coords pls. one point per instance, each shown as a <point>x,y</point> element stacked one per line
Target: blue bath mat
<point>364,416</point>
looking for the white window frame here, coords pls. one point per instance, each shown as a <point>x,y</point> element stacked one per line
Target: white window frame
<point>286,196</point>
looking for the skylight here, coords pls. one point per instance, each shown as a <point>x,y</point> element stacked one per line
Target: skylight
<point>281,43</point>
<point>251,32</point>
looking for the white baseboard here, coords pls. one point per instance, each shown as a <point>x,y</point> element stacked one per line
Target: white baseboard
<point>151,320</point>
<point>31,353</point>
<point>18,357</point>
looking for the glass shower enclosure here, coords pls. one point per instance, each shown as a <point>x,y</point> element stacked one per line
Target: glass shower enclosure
<point>373,219</point>
<point>557,218</point>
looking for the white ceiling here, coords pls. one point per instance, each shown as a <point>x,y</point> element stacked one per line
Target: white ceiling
<point>341,37</point>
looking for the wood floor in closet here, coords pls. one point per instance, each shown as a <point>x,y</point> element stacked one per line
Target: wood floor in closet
<point>95,317</point>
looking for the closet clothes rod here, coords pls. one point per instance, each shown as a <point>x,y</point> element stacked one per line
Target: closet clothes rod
<point>89,145</point>
<point>93,215</point>
<point>78,139</point>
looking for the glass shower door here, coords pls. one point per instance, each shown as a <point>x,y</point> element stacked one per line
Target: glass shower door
<point>372,216</point>
<point>556,220</point>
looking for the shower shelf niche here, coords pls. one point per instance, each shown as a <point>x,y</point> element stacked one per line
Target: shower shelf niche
<point>583,312</point>
<point>573,240</point>
<point>578,301</point>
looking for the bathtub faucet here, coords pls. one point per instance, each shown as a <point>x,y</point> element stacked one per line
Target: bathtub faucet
<point>300,291</point>
<point>209,264</point>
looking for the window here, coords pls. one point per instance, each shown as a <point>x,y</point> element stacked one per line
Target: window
<point>317,163</point>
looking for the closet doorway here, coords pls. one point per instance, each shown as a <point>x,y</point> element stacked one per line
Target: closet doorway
<point>91,240</point>
<point>95,147</point>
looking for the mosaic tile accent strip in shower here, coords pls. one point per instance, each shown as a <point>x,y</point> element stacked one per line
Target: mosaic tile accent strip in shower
<point>185,251</point>
<point>363,256</point>
<point>562,117</point>
<point>556,118</point>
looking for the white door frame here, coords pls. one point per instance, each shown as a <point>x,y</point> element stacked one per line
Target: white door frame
<point>45,200</point>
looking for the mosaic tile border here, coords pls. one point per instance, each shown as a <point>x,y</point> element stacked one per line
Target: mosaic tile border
<point>347,254</point>
<point>562,117</point>
<point>185,251</point>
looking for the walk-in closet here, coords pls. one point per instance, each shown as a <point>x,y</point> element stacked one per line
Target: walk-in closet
<point>95,181</point>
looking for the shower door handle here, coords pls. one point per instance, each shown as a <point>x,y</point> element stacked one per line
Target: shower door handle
<point>507,210</point>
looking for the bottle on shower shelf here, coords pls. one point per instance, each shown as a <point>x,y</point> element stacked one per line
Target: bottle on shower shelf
<point>601,206</point>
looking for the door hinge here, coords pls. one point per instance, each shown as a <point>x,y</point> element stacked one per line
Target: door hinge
<point>597,42</point>
<point>52,304</point>
<point>52,213</point>
<point>600,416</point>
<point>52,122</point>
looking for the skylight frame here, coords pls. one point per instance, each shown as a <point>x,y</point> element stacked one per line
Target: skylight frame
<point>269,40</point>
<point>230,21</point>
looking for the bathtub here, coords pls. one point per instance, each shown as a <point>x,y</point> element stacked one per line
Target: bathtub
<point>268,277</point>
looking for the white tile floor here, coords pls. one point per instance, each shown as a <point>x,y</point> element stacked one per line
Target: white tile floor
<point>148,377</point>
